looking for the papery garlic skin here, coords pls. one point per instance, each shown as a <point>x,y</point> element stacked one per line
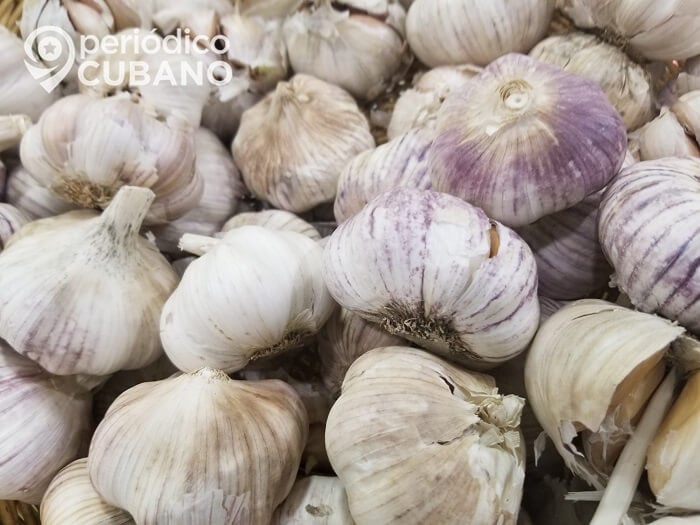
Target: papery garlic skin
<point>71,498</point>
<point>292,146</point>
<point>11,220</point>
<point>279,220</point>
<point>525,139</point>
<point>12,128</point>
<point>44,421</point>
<point>315,500</point>
<point>31,198</point>
<point>224,110</point>
<point>145,456</point>
<point>644,223</point>
<point>201,17</point>
<point>269,8</point>
<point>451,32</point>
<point>435,270</point>
<point>665,136</point>
<point>408,423</point>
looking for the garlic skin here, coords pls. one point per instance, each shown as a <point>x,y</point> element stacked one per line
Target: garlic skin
<point>56,275</point>
<point>201,17</point>
<point>674,520</point>
<point>317,500</point>
<point>627,84</point>
<point>12,129</point>
<point>356,48</point>
<point>31,198</point>
<point>292,146</point>
<point>85,149</point>
<point>665,136</point>
<point>71,498</point>
<point>44,421</point>
<point>590,369</point>
<point>223,113</point>
<point>254,293</point>
<point>407,420</point>
<point>451,32</point>
<point>145,458</point>
<point>278,220</point>
<point>526,139</point>
<point>268,8</point>
<point>689,78</point>
<point>11,220</point>
<point>435,270</point>
<point>654,204</point>
<point>400,163</point>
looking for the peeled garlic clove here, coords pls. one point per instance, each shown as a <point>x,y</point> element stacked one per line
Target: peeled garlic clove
<point>279,220</point>
<point>591,369</point>
<point>12,129</point>
<point>450,32</point>
<point>526,139</point>
<point>665,137</point>
<point>268,8</point>
<point>401,163</point>
<point>44,421</point>
<point>292,146</point>
<point>315,500</point>
<point>644,223</point>
<point>689,78</point>
<point>31,198</point>
<point>71,498</point>
<point>435,270</point>
<point>145,456</point>
<point>254,293</point>
<point>406,421</point>
<point>82,293</point>
<point>11,220</point>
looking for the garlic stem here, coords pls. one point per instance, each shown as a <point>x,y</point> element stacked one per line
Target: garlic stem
<point>12,128</point>
<point>628,469</point>
<point>125,214</point>
<point>197,244</point>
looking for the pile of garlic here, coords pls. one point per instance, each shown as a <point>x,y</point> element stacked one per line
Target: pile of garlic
<point>256,302</point>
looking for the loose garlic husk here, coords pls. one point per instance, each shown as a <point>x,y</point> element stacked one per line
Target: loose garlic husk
<point>145,456</point>
<point>44,421</point>
<point>11,220</point>
<point>435,270</point>
<point>12,129</point>
<point>627,84</point>
<point>31,198</point>
<point>292,146</point>
<point>644,220</point>
<point>85,149</point>
<point>451,32</point>
<point>81,293</point>
<point>400,163</point>
<point>590,370</point>
<point>279,220</point>
<point>71,498</point>
<point>689,78</point>
<point>417,107</point>
<point>356,45</point>
<point>526,139</point>
<point>253,293</point>
<point>666,137</point>
<point>317,500</point>
<point>416,440</point>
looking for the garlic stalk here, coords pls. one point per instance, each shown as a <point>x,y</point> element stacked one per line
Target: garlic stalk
<point>11,220</point>
<point>317,500</point>
<point>12,129</point>
<point>279,220</point>
<point>31,198</point>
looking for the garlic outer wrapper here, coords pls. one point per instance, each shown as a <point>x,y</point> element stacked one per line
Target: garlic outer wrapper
<point>273,219</point>
<point>31,198</point>
<point>145,455</point>
<point>11,220</point>
<point>316,500</point>
<point>12,129</point>
<point>81,293</point>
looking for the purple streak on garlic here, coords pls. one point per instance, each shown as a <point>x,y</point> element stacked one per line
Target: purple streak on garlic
<point>526,139</point>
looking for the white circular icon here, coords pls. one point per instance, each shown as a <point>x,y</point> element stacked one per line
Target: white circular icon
<point>50,48</point>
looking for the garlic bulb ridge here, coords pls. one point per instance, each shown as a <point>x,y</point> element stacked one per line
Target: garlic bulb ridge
<point>34,200</point>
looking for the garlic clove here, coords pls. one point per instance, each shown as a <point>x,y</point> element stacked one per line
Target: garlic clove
<point>665,137</point>
<point>12,129</point>
<point>537,140</point>
<point>145,458</point>
<point>314,501</point>
<point>11,220</point>
<point>279,220</point>
<point>90,18</point>
<point>687,109</point>
<point>31,198</point>
<point>130,13</point>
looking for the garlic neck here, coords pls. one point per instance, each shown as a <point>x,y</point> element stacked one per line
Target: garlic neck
<point>197,244</point>
<point>123,218</point>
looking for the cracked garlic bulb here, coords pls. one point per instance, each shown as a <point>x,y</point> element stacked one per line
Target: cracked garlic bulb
<point>435,270</point>
<point>526,139</point>
<point>279,220</point>
<point>316,500</point>
<point>415,439</point>
<point>146,455</point>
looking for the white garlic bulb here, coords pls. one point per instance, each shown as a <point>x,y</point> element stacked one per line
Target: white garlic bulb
<point>12,129</point>
<point>146,455</point>
<point>81,293</point>
<point>200,17</point>
<point>665,136</point>
<point>689,78</point>
<point>44,421</point>
<point>71,498</point>
<point>268,8</point>
<point>255,292</point>
<point>11,220</point>
<point>31,198</point>
<point>526,139</point>
<point>273,219</point>
<point>435,270</point>
<point>400,163</point>
<point>84,149</point>
<point>451,32</point>
<point>317,500</point>
<point>292,146</point>
<point>417,440</point>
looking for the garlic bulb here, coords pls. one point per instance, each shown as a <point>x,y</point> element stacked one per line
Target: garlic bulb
<point>435,270</point>
<point>644,220</point>
<point>81,293</point>
<point>71,498</point>
<point>689,78</point>
<point>200,17</point>
<point>627,84</point>
<point>223,113</point>
<point>31,198</point>
<point>268,8</point>
<point>355,45</point>
<point>548,307</point>
<point>254,293</point>
<point>279,220</point>
<point>44,421</point>
<point>12,129</point>
<point>450,32</point>
<point>417,107</point>
<point>145,455</point>
<point>409,425</point>
<point>84,149</point>
<point>11,220</point>
<point>223,189</point>
<point>292,146</point>
<point>665,136</point>
<point>315,500</point>
<point>400,163</point>
<point>687,109</point>
<point>590,370</point>
<point>525,140</point>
